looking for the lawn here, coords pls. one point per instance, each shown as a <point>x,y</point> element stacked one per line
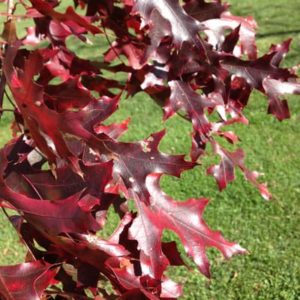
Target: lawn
<point>269,230</point>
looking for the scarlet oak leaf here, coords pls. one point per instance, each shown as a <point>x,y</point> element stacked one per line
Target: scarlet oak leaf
<point>70,15</point>
<point>183,27</point>
<point>42,121</point>
<point>148,236</point>
<point>132,51</point>
<point>89,248</point>
<point>114,130</point>
<point>276,88</point>
<point>185,219</point>
<point>183,97</point>
<point>44,184</point>
<point>137,287</point>
<point>68,95</point>
<point>201,10</point>
<point>52,216</point>
<point>134,161</point>
<point>58,216</point>
<point>224,173</point>
<point>255,71</point>
<point>160,29</point>
<point>25,281</point>
<point>280,51</point>
<point>247,33</point>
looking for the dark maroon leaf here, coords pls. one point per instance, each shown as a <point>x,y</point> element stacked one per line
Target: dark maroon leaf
<point>64,215</point>
<point>183,27</point>
<point>25,281</point>
<point>69,95</point>
<point>137,287</point>
<point>69,16</point>
<point>201,10</point>
<point>255,71</point>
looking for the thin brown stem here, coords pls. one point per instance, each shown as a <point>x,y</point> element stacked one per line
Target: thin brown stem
<point>9,99</point>
<point>10,9</point>
<point>19,234</point>
<point>5,212</point>
<point>6,109</point>
<point>112,47</point>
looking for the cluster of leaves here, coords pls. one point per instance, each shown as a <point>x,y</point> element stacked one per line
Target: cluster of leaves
<point>66,166</point>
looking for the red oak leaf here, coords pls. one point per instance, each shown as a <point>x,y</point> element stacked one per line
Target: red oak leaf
<point>70,15</point>
<point>134,161</point>
<point>224,173</point>
<point>183,97</point>
<point>201,10</point>
<point>183,27</point>
<point>185,219</point>
<point>25,281</point>
<point>276,88</point>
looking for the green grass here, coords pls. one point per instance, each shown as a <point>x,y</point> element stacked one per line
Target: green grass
<point>269,230</point>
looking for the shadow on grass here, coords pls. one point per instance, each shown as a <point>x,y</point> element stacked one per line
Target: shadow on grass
<point>277,33</point>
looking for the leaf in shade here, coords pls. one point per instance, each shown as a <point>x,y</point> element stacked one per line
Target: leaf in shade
<point>224,173</point>
<point>63,215</point>
<point>185,219</point>
<point>52,216</point>
<point>2,91</point>
<point>198,146</point>
<point>44,185</point>
<point>70,15</point>
<point>231,40</point>
<point>138,287</point>
<point>43,122</point>
<point>247,33</point>
<point>132,51</point>
<point>26,280</point>
<point>79,250</point>
<point>201,10</point>
<point>184,28</point>
<point>29,97</point>
<point>68,95</point>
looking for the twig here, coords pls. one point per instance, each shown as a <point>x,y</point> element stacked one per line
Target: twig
<point>5,212</point>
<point>111,45</point>
<point>10,9</point>
<point>6,109</point>
<point>9,99</point>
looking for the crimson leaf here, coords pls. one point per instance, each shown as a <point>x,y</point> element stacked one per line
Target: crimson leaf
<point>25,281</point>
